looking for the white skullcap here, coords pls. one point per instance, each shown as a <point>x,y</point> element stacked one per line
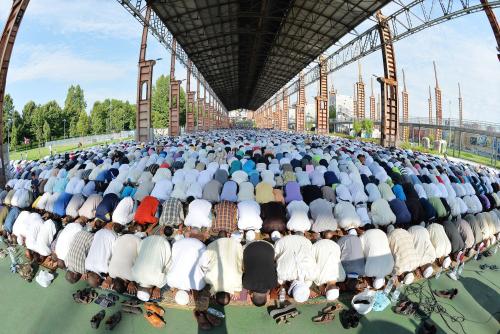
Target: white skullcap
<point>237,235</point>
<point>332,294</point>
<point>446,262</point>
<point>300,291</point>
<point>428,272</point>
<point>408,278</point>
<point>143,295</point>
<point>390,228</point>
<point>353,232</point>
<point>378,283</point>
<point>181,297</point>
<point>275,235</point>
<point>250,235</point>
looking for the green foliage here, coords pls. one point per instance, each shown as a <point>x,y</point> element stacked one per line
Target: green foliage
<point>73,106</point>
<point>367,126</point>
<point>332,112</point>
<point>82,126</point>
<point>46,131</point>
<point>160,103</point>
<point>8,111</point>
<point>28,114</point>
<point>112,116</point>
<point>357,127</point>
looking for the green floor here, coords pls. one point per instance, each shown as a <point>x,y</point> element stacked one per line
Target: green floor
<point>27,308</point>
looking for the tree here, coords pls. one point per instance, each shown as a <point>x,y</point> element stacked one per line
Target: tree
<point>357,127</point>
<point>83,124</point>
<point>8,111</point>
<point>46,131</point>
<point>160,102</point>
<point>332,112</point>
<point>14,137</point>
<point>73,106</point>
<point>54,115</point>
<point>99,116</point>
<point>367,126</point>
<point>28,114</point>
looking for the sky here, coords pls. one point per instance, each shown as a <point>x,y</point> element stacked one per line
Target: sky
<point>95,43</point>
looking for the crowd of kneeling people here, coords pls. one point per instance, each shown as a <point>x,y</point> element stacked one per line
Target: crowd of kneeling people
<point>257,210</point>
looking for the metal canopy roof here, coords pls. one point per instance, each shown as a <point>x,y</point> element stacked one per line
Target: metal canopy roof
<point>249,49</point>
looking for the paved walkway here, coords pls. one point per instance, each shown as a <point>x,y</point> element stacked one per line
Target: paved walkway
<point>27,308</point>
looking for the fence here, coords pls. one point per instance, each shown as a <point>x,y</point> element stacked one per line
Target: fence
<point>92,139</point>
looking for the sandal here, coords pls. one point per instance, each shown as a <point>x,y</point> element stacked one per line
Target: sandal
<point>332,308</point>
<point>201,319</point>
<point>113,321</point>
<point>450,294</point>
<point>324,318</point>
<point>132,302</point>
<point>132,309</point>
<point>405,308</point>
<point>97,318</point>
<point>154,308</point>
<point>154,319</point>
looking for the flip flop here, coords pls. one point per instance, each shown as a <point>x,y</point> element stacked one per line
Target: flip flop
<point>132,309</point>
<point>324,318</point>
<point>154,319</point>
<point>97,318</point>
<point>154,308</point>
<point>113,321</point>
<point>201,319</point>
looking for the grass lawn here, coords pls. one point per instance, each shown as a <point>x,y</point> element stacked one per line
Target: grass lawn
<point>34,154</point>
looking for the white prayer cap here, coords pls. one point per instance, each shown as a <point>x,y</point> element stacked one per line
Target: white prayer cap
<point>446,262</point>
<point>237,235</point>
<point>353,231</point>
<point>181,297</point>
<point>143,295</point>
<point>378,283</point>
<point>408,278</point>
<point>390,228</point>
<point>275,235</point>
<point>250,235</point>
<point>332,294</point>
<point>428,272</point>
<point>299,291</point>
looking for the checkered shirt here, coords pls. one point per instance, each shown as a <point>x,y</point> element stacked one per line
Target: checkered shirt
<point>226,217</point>
<point>78,250</point>
<point>172,213</point>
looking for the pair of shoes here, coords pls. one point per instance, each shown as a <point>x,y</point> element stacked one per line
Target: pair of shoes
<point>206,320</point>
<point>427,327</point>
<point>111,322</point>
<point>406,307</point>
<point>349,318</point>
<point>485,266</point>
<point>283,315</point>
<point>85,296</point>
<point>154,315</point>
<point>327,314</point>
<point>450,294</point>
<point>106,301</point>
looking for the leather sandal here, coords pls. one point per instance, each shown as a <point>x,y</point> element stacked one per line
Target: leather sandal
<point>203,323</point>
<point>324,318</point>
<point>450,294</point>
<point>132,309</point>
<point>154,308</point>
<point>113,320</point>
<point>154,319</point>
<point>332,308</point>
<point>97,318</point>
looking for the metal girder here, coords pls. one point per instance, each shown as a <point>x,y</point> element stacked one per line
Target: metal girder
<point>322,100</point>
<point>299,109</point>
<point>161,33</point>
<point>493,22</point>
<point>408,20</point>
<point>388,86</point>
<point>190,103</point>
<point>6,45</point>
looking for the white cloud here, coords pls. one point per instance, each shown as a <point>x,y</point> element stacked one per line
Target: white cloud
<point>56,63</point>
<point>101,18</point>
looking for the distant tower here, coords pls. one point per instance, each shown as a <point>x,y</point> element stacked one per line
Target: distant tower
<point>405,109</point>
<point>372,102</point>
<point>331,99</point>
<point>354,104</point>
<point>439,107</point>
<point>360,95</point>
<point>429,102</point>
<point>460,106</point>
<point>379,108</point>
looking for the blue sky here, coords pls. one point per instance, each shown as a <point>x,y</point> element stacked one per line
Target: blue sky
<point>95,43</point>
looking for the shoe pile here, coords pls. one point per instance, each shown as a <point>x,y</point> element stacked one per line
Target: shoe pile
<point>111,322</point>
<point>132,306</point>
<point>406,307</point>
